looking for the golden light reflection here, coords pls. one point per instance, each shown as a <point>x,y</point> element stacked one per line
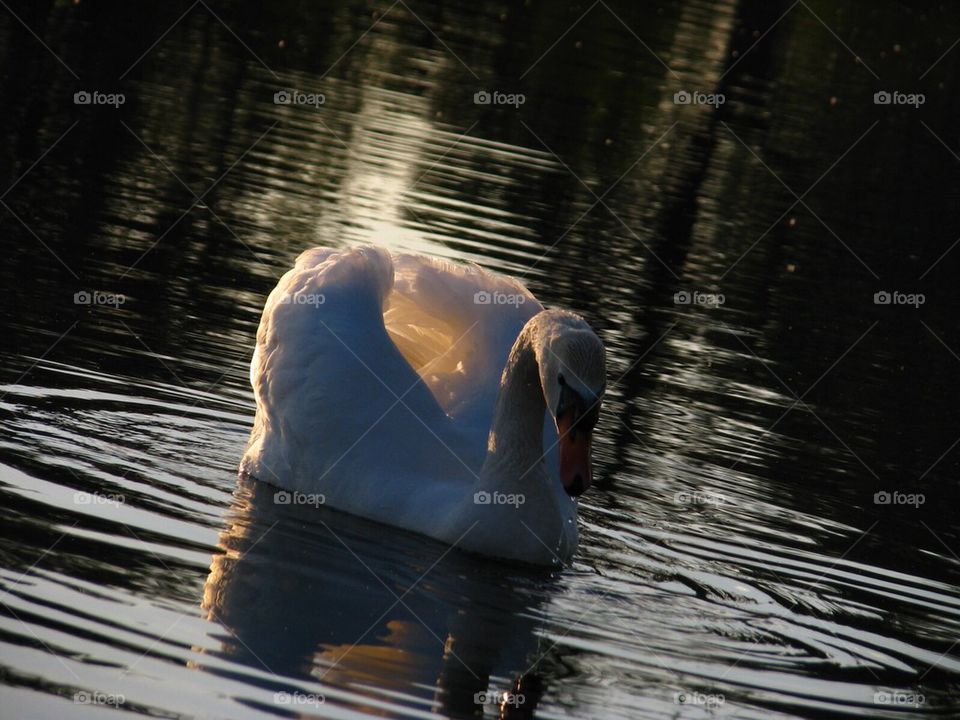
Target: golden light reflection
<point>302,592</point>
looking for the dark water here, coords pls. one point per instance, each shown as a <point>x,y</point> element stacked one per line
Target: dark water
<point>734,557</point>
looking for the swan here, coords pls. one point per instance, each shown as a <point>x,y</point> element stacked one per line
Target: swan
<point>429,395</point>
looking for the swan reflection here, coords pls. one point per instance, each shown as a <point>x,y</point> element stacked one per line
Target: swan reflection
<point>360,614</point>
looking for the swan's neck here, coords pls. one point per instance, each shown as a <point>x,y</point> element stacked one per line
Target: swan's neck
<point>515,443</point>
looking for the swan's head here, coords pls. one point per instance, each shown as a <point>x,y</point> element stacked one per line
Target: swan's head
<point>573,373</point>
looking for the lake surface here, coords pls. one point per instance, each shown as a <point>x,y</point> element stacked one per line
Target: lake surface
<point>773,532</point>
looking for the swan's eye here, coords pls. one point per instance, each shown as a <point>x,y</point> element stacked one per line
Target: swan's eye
<point>589,419</point>
<point>564,391</point>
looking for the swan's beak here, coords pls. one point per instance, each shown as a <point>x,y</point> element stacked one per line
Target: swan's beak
<point>575,439</point>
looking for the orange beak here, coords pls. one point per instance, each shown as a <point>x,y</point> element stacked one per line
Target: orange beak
<point>575,471</point>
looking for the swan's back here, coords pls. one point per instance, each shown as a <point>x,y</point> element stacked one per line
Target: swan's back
<point>345,334</point>
<point>455,324</point>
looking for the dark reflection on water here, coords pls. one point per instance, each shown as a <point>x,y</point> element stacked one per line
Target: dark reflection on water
<point>395,616</point>
<point>734,546</point>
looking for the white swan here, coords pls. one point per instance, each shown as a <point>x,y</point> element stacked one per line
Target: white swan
<point>427,395</point>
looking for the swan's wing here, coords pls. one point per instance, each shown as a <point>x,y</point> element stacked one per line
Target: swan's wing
<point>327,377</point>
<point>455,324</point>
